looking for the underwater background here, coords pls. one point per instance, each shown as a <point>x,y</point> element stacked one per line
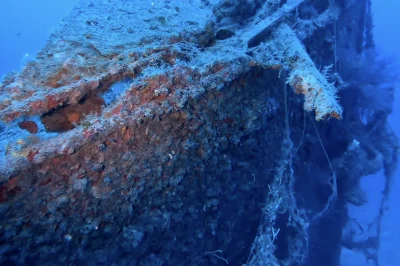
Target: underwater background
<point>27,25</point>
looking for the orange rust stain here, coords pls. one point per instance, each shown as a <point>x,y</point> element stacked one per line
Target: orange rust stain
<point>11,116</point>
<point>52,83</point>
<point>117,110</point>
<point>29,125</point>
<point>36,105</point>
<point>73,117</point>
<point>31,155</point>
<point>336,115</point>
<point>53,102</point>
<point>156,82</point>
<point>92,105</point>
<point>65,118</point>
<point>123,130</point>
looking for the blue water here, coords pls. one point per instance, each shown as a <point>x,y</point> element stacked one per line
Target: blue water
<point>26,25</point>
<point>387,35</point>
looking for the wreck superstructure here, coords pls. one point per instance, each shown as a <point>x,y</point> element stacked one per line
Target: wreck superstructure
<point>192,134</point>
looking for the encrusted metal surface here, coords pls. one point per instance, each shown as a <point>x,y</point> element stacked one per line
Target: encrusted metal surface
<point>152,134</point>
